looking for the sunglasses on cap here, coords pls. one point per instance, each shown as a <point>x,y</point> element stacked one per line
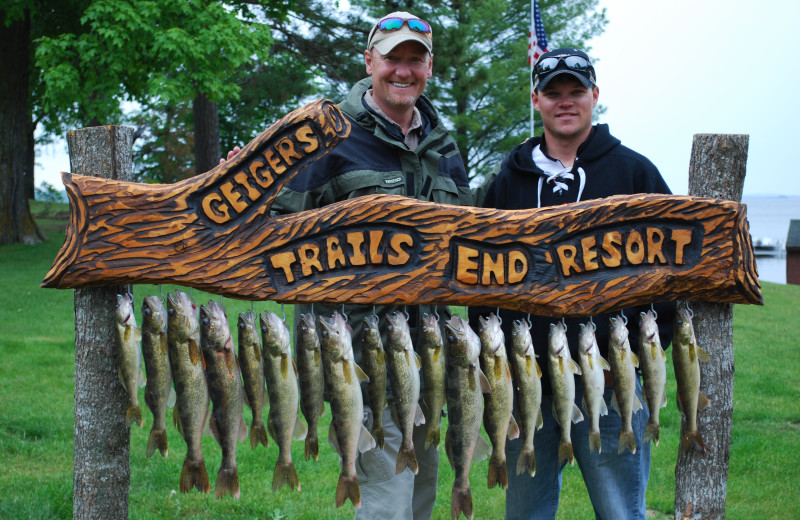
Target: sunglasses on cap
<point>395,24</point>
<point>572,62</point>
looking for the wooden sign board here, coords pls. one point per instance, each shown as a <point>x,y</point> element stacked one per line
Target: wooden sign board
<point>214,232</point>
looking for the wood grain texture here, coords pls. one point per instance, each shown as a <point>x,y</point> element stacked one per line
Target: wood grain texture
<point>577,259</point>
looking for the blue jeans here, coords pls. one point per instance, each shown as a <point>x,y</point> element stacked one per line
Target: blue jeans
<point>616,483</point>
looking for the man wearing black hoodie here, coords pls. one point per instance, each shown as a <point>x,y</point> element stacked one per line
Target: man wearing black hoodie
<point>575,161</point>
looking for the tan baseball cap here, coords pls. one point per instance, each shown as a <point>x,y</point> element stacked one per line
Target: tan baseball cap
<point>395,28</point>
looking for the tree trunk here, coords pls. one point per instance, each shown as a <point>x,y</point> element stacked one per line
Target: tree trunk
<point>16,223</point>
<point>102,441</point>
<point>717,170</point>
<point>206,134</point>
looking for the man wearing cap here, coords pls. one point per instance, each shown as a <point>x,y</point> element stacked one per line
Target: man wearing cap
<point>397,144</point>
<point>575,161</point>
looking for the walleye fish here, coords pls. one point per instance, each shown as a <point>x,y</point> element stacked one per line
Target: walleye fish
<point>284,397</point>
<point>312,384</point>
<point>686,356</point>
<point>653,362</point>
<point>225,389</point>
<point>527,377</point>
<point>252,367</point>
<point>189,376</point>
<point>623,369</point>
<point>343,377</point>
<point>594,382</point>
<point>129,357</point>
<point>373,357</point>
<point>465,385</point>
<point>431,350</point>
<point>158,392</point>
<point>562,382</point>
<point>499,403</point>
<point>403,366</point>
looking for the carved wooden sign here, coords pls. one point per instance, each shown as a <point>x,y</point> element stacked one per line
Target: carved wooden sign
<point>214,232</point>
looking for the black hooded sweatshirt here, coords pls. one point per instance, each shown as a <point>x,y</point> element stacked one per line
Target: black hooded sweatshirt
<point>608,168</point>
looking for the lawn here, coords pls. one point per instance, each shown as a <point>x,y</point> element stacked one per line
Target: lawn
<point>36,421</point>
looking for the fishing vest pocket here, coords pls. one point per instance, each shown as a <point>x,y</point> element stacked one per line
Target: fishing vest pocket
<point>368,182</point>
<point>444,191</point>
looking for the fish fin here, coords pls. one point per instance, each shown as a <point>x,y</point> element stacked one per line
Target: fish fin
<point>603,363</point>
<point>284,366</point>
<point>406,458</point>
<point>538,369</point>
<point>433,437</point>
<point>232,364</point>
<point>194,475</point>
<point>603,407</point>
<point>127,334</point>
<point>513,429</point>
<point>614,403</point>
<point>212,424</point>
<point>381,357</point>
<point>626,442</point>
<point>637,404</point>
<point>419,416</point>
<point>142,379</point>
<point>634,359</point>
<point>300,429</point>
<point>258,434</point>
<point>365,440</point>
<point>540,421</point>
<point>498,471</point>
<point>377,434</point>
<point>333,440</point>
<point>529,365</point>
<point>133,415</point>
<point>242,429</point>
<point>194,353</point>
<point>482,449</point>
<point>227,482</point>
<point>702,402</point>
<point>317,359</point>
<point>486,387</point>
<point>164,343</point>
<point>172,397</point>
<point>361,375</point>
<point>246,400</point>
<point>461,502</point>
<point>595,444</point>
<point>662,354</point>
<point>436,353</point>
<point>176,420</point>
<point>664,400</point>
<point>679,403</point>
<point>157,441</point>
<point>573,367</point>
<point>121,378</point>
<point>526,462</point>
<point>418,360</point>
<point>294,366</point>
<point>346,372</point>
<point>651,433</point>
<point>312,447</point>
<point>448,447</point>
<point>137,334</point>
<point>257,354</point>
<point>692,441</point>
<point>565,454</point>
<point>285,474</point>
<point>347,487</point>
<point>577,416</point>
<point>702,355</point>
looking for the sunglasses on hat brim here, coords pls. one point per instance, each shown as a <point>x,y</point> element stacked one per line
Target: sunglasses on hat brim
<point>572,62</point>
<point>395,24</point>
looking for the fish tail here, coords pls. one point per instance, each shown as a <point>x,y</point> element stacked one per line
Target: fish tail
<point>433,437</point>
<point>692,441</point>
<point>194,474</point>
<point>227,482</point>
<point>565,453</point>
<point>157,440</point>
<point>377,434</point>
<point>258,434</point>
<point>498,472</point>
<point>461,502</point>
<point>626,442</point>
<point>652,432</point>
<point>133,415</point>
<point>285,474</point>
<point>595,444</point>
<point>526,462</point>
<point>406,458</point>
<point>312,447</point>
<point>347,487</point>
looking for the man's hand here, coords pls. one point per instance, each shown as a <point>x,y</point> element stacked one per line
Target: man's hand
<point>231,153</point>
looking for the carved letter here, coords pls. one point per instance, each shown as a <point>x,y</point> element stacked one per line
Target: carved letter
<point>589,254</point>
<point>467,267</point>
<point>655,239</point>
<point>284,261</point>
<point>309,257</point>
<point>681,237</point>
<point>634,248</point>
<point>610,242</point>
<point>401,256</point>
<point>335,253</point>
<point>517,266</point>
<point>355,240</point>
<point>493,267</point>
<point>567,256</point>
<point>215,209</point>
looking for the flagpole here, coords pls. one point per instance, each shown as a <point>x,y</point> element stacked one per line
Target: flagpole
<point>537,44</point>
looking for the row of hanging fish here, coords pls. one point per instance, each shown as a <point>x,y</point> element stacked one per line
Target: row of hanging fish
<point>472,374</point>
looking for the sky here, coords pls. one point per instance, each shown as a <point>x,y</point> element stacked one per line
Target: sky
<point>670,70</point>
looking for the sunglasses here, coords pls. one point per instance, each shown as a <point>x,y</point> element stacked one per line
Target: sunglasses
<point>572,62</point>
<point>395,24</point>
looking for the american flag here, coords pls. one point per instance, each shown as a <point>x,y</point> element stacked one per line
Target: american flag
<point>537,39</point>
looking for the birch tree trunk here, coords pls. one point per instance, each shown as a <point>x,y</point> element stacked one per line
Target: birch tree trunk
<point>717,169</point>
<point>102,441</point>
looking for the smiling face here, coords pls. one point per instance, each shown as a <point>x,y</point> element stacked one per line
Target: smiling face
<point>399,78</point>
<point>566,106</point>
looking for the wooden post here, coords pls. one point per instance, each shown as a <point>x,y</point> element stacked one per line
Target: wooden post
<point>717,170</point>
<point>102,441</point>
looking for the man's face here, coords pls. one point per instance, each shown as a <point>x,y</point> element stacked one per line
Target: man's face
<point>566,107</point>
<point>399,77</point>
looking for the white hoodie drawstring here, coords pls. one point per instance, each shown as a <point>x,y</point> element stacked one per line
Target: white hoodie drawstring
<point>556,173</point>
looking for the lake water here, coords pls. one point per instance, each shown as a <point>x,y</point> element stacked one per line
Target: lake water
<point>769,217</point>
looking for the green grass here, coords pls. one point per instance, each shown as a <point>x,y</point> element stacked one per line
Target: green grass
<point>36,421</point>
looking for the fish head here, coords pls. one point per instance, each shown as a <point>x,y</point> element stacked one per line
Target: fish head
<point>334,336</point>
<point>683,328</point>
<point>462,345</point>
<point>648,328</point>
<point>215,333</point>
<point>371,333</point>
<point>490,333</point>
<point>397,331</point>
<point>274,334</point>
<point>431,333</point>
<point>154,317</point>
<point>587,342</point>
<point>124,313</point>
<point>247,327</point>
<point>557,339</point>
<point>307,331</point>
<point>618,332</point>
<point>521,340</point>
<point>181,312</point>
